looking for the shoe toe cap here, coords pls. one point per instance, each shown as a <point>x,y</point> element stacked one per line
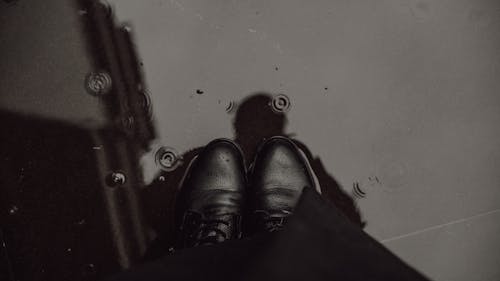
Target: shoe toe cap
<point>217,178</point>
<point>280,174</point>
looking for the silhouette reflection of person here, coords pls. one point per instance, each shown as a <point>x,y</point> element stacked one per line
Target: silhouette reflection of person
<point>254,121</point>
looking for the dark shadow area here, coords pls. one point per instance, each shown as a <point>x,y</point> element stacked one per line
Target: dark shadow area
<point>255,120</point>
<point>54,223</point>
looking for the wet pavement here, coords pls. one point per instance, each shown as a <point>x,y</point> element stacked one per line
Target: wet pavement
<point>396,101</point>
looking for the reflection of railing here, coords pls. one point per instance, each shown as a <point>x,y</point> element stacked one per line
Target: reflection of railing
<point>70,181</point>
<point>119,69</point>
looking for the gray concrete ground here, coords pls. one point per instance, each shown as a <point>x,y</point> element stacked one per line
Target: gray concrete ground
<point>398,98</point>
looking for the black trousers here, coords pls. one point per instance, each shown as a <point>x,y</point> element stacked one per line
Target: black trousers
<point>318,243</point>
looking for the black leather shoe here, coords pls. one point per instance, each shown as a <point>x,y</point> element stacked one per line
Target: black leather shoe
<point>279,173</point>
<point>210,201</point>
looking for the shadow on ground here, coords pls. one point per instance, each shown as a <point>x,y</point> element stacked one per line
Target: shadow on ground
<point>254,121</point>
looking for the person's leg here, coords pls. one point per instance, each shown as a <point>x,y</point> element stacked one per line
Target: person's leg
<point>318,242</point>
<point>314,240</point>
<point>210,201</point>
<point>278,175</point>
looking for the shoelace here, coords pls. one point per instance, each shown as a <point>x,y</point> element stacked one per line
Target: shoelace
<point>272,222</point>
<point>209,232</point>
<point>201,230</point>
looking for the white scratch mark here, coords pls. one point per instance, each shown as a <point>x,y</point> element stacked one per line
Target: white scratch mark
<point>251,30</point>
<point>277,46</point>
<point>440,226</point>
<point>179,5</point>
